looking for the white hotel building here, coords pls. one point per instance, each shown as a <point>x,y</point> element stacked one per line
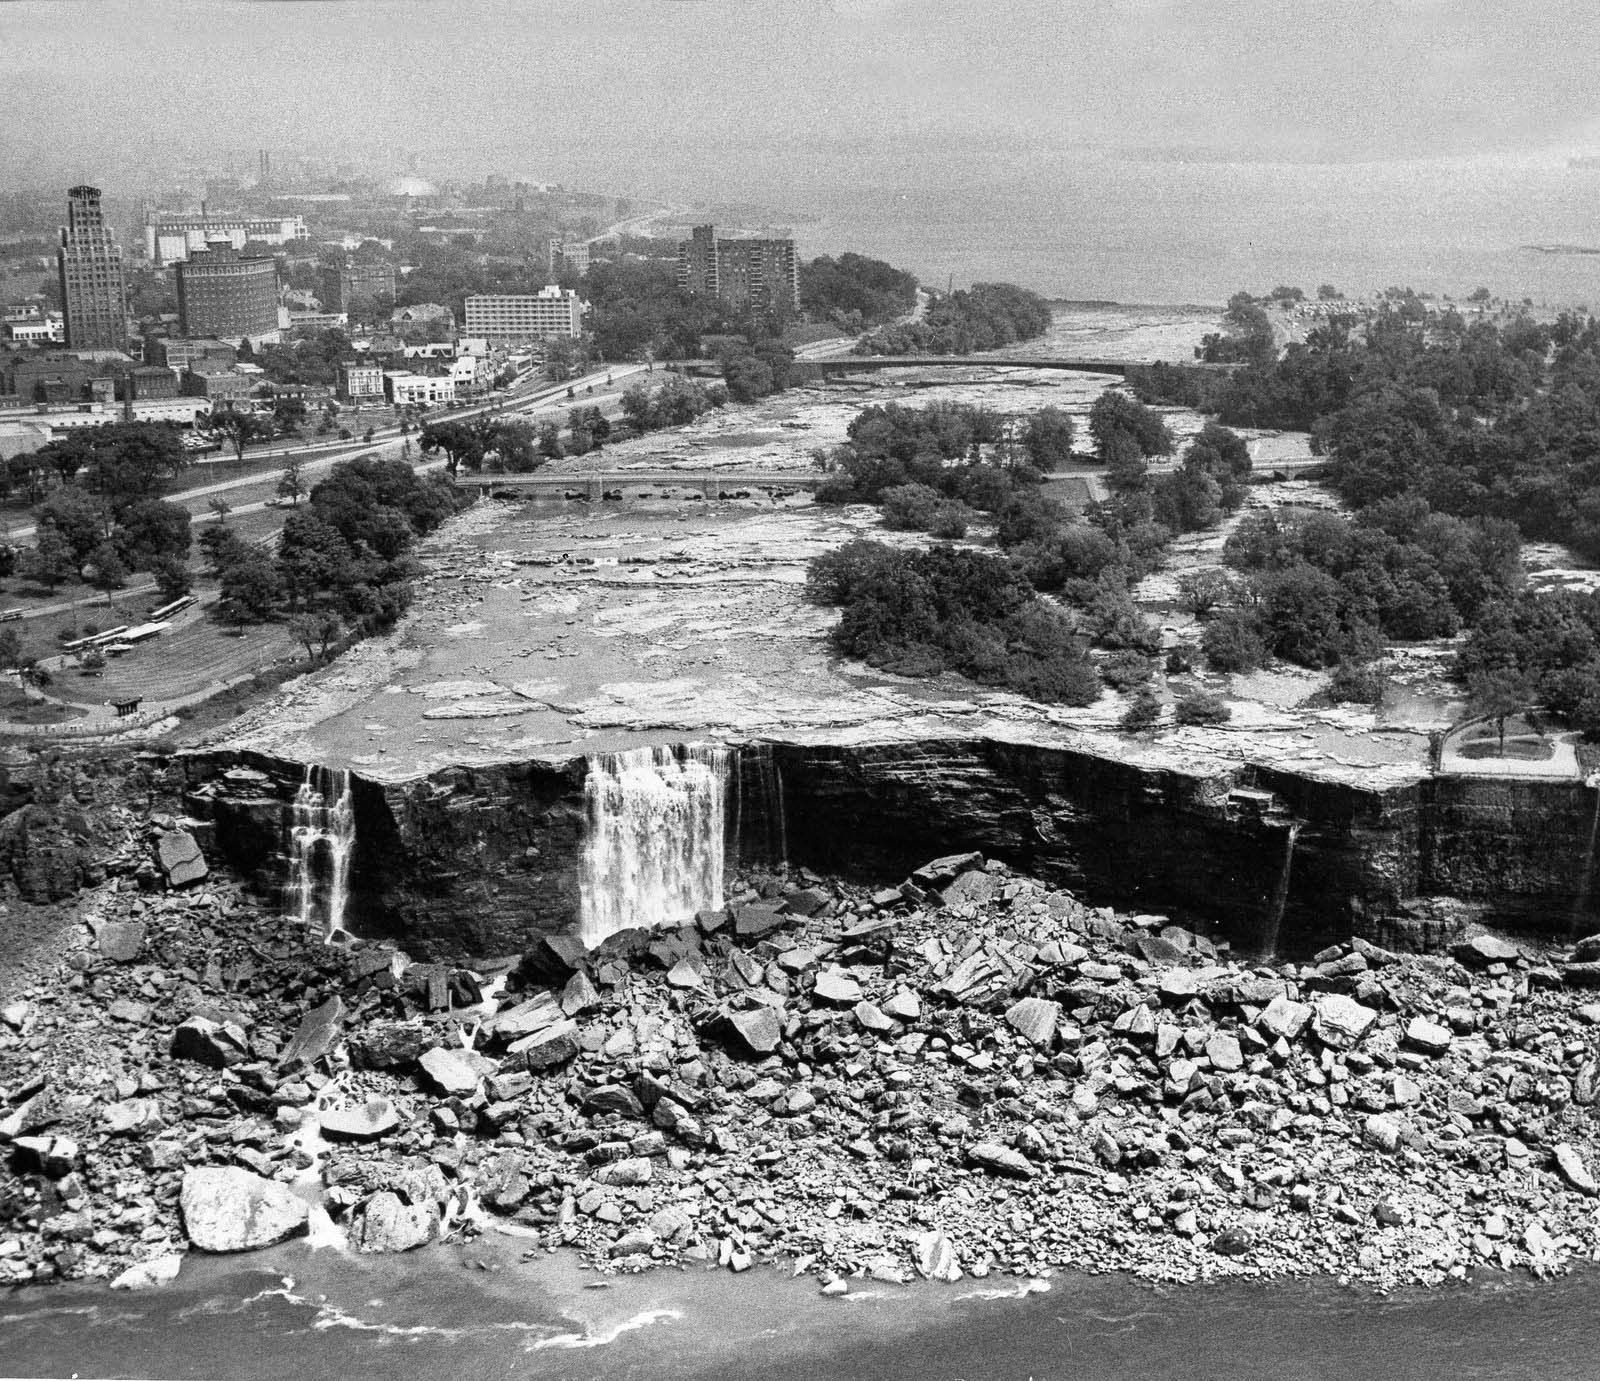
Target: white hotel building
<point>545,315</point>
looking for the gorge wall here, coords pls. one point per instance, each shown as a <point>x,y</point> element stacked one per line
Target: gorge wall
<point>478,860</point>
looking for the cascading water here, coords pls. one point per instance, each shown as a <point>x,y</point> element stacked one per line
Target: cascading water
<point>322,838</point>
<point>1580,904</point>
<point>656,850</point>
<point>1280,893</point>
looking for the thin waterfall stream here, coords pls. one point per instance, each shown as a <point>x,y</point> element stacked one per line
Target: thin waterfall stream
<point>322,838</point>
<point>1280,893</point>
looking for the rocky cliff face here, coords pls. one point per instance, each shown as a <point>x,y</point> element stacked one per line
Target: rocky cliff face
<point>480,860</point>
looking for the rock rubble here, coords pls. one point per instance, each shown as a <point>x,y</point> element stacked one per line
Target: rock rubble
<point>969,1073</point>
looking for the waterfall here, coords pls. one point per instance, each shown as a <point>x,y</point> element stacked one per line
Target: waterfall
<point>322,838</point>
<point>1581,904</point>
<point>656,849</point>
<point>759,777</point>
<point>1280,894</point>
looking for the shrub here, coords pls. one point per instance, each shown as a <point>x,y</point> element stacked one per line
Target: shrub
<point>1124,670</point>
<point>1202,708</point>
<point>1232,642</point>
<point>1143,711</point>
<point>1356,683</point>
<point>910,507</point>
<point>950,521</point>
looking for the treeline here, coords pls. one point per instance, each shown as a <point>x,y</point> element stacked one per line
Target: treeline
<point>505,446</point>
<point>984,317</point>
<point>940,468</point>
<point>342,564</point>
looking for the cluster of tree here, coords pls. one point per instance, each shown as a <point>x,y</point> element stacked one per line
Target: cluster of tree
<point>986,317</point>
<point>1322,589</point>
<point>854,292</point>
<point>313,359</point>
<point>1249,338</point>
<point>343,562</point>
<point>919,613</point>
<point>935,468</point>
<point>637,311</point>
<point>674,402</point>
<point>1536,649</point>
<point>485,442</point>
<point>105,517</point>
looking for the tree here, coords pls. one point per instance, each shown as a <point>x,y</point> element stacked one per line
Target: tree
<point>1203,708</point>
<point>172,578</point>
<point>317,630</point>
<point>1047,439</point>
<point>152,530</point>
<point>220,508</point>
<point>1497,694</point>
<point>1232,642</point>
<point>50,559</point>
<point>250,589</point>
<point>104,569</point>
<point>291,485</point>
<point>11,655</point>
<point>241,429</point>
<point>1203,592</point>
<point>78,517</point>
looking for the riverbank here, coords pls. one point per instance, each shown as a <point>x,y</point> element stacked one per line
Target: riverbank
<point>480,1310</point>
<point>969,1076</point>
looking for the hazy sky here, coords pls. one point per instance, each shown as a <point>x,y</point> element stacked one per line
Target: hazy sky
<point>735,97</point>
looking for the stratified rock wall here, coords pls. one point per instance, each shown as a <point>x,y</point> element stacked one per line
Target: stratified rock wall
<point>480,860</point>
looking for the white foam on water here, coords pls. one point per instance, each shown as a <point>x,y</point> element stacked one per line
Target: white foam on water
<point>1021,1291</point>
<point>638,1321</point>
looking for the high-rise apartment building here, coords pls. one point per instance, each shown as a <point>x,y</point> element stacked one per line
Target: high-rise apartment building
<point>748,275</point>
<point>93,294</point>
<point>549,313</point>
<point>349,286</point>
<point>228,295</point>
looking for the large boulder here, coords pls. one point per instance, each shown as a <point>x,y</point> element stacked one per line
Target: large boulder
<point>318,1033</point>
<point>226,1209</point>
<point>386,1224</point>
<point>180,858</point>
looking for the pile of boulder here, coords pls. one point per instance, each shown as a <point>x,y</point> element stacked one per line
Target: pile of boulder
<point>967,1073</point>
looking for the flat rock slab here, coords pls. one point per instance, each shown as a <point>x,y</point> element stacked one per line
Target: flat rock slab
<point>120,941</point>
<point>372,1119</point>
<point>226,1209</point>
<point>837,987</point>
<point>871,1017</point>
<point>1283,1019</point>
<point>1340,1021</point>
<point>1573,1170</point>
<point>941,870</point>
<point>450,1071</point>
<point>546,1049</point>
<point>1483,950</point>
<point>1224,1053</point>
<point>1034,1019</point>
<point>180,858</point>
<point>760,1030</point>
<point>316,1035</point>
<point>1001,1160</point>
<point>1427,1036</point>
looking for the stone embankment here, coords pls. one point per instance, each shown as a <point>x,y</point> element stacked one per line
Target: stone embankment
<point>968,1073</point>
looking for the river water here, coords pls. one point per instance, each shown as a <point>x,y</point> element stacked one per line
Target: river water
<point>476,1310</point>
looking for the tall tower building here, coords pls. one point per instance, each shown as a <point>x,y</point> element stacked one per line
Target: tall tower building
<point>759,275</point>
<point>93,295</point>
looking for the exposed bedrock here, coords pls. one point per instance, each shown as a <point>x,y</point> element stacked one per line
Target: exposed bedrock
<point>480,860</point>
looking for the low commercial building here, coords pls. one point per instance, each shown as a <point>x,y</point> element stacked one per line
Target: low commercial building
<point>179,352</point>
<point>550,314</point>
<point>218,384</point>
<point>421,315</point>
<point>360,381</point>
<point>569,257</point>
<point>404,389</point>
<point>42,329</point>
<point>146,381</point>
